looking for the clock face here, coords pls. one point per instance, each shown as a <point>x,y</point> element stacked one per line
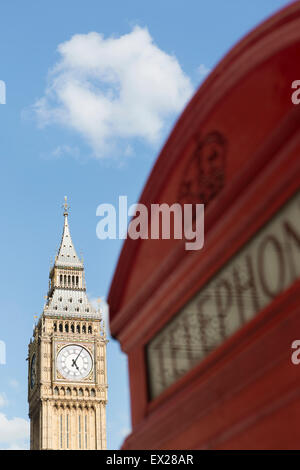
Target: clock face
<point>33,371</point>
<point>74,362</point>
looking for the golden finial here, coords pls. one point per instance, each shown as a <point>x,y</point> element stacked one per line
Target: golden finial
<point>66,206</point>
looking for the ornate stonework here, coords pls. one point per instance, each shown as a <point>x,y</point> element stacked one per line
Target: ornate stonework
<point>204,174</point>
<point>67,374</point>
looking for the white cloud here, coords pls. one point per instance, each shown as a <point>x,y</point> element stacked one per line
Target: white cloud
<point>104,308</point>
<point>202,70</point>
<point>128,152</point>
<point>14,383</point>
<point>124,432</point>
<point>3,400</point>
<point>16,446</point>
<point>13,432</point>
<point>113,90</point>
<point>62,150</point>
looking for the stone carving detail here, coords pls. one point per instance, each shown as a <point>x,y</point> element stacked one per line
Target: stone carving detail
<point>204,174</point>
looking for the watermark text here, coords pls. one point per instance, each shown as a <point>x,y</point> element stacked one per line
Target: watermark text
<point>159,221</point>
<point>295,97</point>
<point>2,353</point>
<point>2,92</point>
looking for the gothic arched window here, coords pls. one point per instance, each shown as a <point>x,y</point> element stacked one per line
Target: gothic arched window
<point>79,432</point>
<point>67,430</point>
<point>85,432</point>
<point>61,431</point>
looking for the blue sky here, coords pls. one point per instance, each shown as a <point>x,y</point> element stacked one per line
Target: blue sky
<point>85,116</point>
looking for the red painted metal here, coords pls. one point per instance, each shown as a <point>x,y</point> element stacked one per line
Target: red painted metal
<point>244,394</point>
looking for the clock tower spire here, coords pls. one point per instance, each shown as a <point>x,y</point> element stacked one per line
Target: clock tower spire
<point>67,379</point>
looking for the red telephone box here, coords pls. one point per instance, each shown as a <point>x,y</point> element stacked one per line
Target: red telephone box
<point>208,333</point>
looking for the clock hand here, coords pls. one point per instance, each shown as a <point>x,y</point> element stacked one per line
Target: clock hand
<point>74,360</point>
<point>79,354</point>
<point>74,364</point>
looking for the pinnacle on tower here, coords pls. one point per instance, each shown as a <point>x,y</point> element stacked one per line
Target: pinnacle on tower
<point>67,291</point>
<point>67,255</point>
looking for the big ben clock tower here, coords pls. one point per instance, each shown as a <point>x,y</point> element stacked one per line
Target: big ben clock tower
<point>67,378</point>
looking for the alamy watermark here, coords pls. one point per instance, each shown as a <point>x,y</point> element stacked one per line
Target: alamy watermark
<point>2,92</point>
<point>295,97</point>
<point>159,221</point>
<point>2,344</point>
<point>295,357</point>
<point>2,353</point>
